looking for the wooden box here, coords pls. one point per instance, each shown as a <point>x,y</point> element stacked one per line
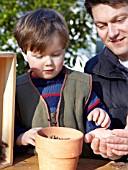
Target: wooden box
<point>7,107</point>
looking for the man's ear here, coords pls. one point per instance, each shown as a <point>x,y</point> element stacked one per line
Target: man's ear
<point>25,56</point>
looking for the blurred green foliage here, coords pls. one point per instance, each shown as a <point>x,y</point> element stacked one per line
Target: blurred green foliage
<point>73,11</point>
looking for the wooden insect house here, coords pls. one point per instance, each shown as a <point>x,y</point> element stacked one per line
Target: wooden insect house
<point>7,107</point>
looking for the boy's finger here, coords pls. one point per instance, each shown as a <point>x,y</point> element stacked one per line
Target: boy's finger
<point>96,116</point>
<point>106,122</point>
<point>90,116</point>
<point>100,118</point>
<point>93,115</point>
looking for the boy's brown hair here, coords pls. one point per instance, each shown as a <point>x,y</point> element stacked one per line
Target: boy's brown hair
<point>34,30</point>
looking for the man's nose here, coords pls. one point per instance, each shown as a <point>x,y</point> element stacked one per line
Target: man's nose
<point>112,30</point>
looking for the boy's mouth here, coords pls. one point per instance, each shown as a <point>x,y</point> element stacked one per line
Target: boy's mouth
<point>48,71</point>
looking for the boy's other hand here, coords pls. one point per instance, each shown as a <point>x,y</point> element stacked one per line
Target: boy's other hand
<point>100,117</point>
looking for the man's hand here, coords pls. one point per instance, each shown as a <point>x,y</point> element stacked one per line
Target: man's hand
<point>97,138</point>
<point>118,142</point>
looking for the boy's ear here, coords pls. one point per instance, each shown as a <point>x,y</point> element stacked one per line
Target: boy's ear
<point>25,56</point>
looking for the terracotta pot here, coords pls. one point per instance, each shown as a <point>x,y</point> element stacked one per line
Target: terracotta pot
<point>56,154</point>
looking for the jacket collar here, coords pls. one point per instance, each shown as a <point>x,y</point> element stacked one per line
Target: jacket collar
<point>109,66</point>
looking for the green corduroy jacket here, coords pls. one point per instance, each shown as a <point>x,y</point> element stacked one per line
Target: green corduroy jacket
<point>31,108</point>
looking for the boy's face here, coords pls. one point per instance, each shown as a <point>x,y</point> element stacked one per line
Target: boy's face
<point>112,27</point>
<point>50,63</point>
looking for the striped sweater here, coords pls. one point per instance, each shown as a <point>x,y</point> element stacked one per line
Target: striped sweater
<point>50,91</point>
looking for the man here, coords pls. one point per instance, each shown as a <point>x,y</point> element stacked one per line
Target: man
<point>109,71</point>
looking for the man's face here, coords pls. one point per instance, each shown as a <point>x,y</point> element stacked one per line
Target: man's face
<point>112,27</point>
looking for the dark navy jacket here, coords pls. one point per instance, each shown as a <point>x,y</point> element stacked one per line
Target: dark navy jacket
<point>110,82</point>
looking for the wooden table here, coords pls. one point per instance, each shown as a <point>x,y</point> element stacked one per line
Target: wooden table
<point>27,162</point>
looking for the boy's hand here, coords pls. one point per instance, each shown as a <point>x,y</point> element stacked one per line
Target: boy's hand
<point>28,137</point>
<point>100,117</point>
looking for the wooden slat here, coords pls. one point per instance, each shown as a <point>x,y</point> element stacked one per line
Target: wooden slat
<point>7,103</point>
<point>2,88</point>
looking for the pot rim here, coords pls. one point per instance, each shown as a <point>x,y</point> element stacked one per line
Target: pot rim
<point>41,132</point>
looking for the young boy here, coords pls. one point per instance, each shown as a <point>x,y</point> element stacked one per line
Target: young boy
<point>50,94</point>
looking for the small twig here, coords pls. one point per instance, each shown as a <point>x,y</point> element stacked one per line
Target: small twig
<point>56,137</point>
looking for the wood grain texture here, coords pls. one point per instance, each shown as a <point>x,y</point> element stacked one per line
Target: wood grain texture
<point>7,104</point>
<point>26,162</point>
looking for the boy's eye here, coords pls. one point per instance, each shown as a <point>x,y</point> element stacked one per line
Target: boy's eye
<point>55,55</point>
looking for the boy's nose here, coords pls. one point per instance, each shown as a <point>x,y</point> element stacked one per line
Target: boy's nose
<point>49,60</point>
